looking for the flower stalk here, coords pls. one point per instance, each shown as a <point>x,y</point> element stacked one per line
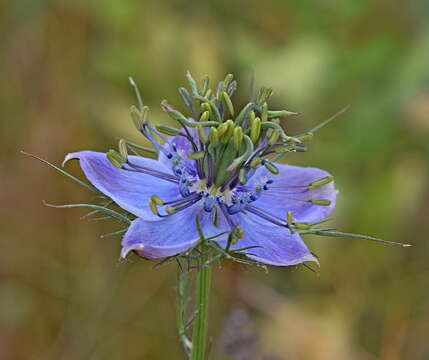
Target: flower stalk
<point>203,282</point>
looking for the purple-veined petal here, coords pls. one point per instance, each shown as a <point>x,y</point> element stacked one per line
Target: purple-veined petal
<point>293,195</point>
<point>169,236</point>
<point>275,244</point>
<point>130,190</point>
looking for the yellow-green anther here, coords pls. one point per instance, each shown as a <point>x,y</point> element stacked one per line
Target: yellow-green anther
<point>264,112</point>
<point>202,135</point>
<point>157,200</point>
<point>222,129</point>
<point>152,207</point>
<point>227,81</point>
<point>243,113</point>
<point>205,116</point>
<point>168,130</point>
<point>182,119</point>
<point>238,232</point>
<point>228,103</point>
<point>229,132</point>
<point>255,162</point>
<point>289,218</point>
<point>304,137</point>
<point>283,149</point>
<point>242,176</point>
<point>192,83</point>
<point>115,158</point>
<point>205,106</point>
<point>252,117</point>
<point>139,116</point>
<point>205,84</point>
<point>187,98</point>
<point>255,130</point>
<point>122,145</point>
<point>315,184</point>
<point>214,111</point>
<point>238,138</point>
<point>196,155</point>
<point>214,136</point>
<point>170,210</point>
<point>280,113</point>
<point>271,167</point>
<point>274,137</point>
<point>302,225</point>
<point>322,202</point>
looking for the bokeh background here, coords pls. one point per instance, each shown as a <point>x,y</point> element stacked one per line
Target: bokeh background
<point>64,67</point>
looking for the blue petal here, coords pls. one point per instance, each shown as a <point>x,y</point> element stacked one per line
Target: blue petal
<point>275,244</point>
<point>169,236</point>
<point>295,198</point>
<point>130,190</point>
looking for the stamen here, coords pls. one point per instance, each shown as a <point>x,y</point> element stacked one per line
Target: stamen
<point>317,183</point>
<point>155,173</point>
<point>266,216</point>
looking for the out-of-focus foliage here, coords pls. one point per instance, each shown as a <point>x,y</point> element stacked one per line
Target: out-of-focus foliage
<point>64,67</point>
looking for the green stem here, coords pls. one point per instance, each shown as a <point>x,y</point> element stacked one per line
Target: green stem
<point>199,336</point>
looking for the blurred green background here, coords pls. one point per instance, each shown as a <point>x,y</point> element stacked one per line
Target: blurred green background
<point>64,67</point>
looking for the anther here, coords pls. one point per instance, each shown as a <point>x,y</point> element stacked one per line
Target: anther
<point>152,207</point>
<point>238,138</point>
<point>205,116</point>
<point>196,155</point>
<point>271,167</point>
<point>228,103</point>
<point>115,158</point>
<point>255,162</point>
<point>315,184</point>
<point>157,200</point>
<point>202,135</point>
<point>322,202</point>
<point>168,130</point>
<point>214,136</point>
<point>122,145</point>
<point>255,130</point>
<point>274,137</point>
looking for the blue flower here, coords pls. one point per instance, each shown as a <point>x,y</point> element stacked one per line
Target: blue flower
<point>221,171</point>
